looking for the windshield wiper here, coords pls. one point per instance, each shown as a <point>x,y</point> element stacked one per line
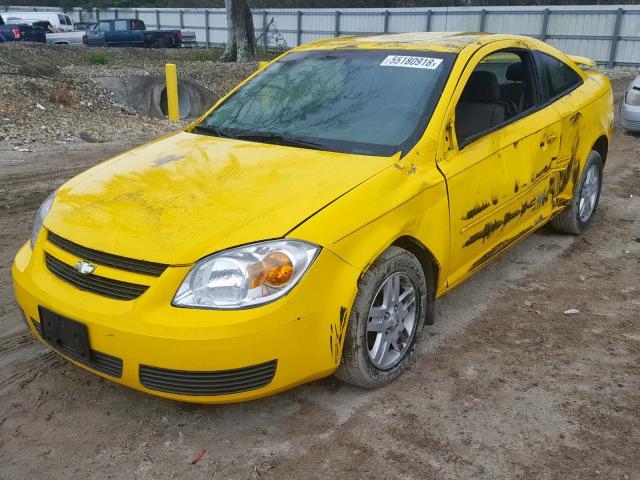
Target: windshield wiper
<point>213,131</point>
<point>280,139</point>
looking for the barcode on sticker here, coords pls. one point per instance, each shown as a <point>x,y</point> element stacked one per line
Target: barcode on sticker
<point>411,62</point>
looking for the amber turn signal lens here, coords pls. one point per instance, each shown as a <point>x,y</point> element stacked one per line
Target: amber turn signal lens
<point>279,269</point>
<point>275,270</point>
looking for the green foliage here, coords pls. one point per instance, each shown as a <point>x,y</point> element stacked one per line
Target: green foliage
<point>208,55</point>
<point>98,58</point>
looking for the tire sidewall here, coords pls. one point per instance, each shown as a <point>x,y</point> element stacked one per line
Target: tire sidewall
<point>400,262</point>
<point>593,159</point>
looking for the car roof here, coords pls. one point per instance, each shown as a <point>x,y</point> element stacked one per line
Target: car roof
<point>429,41</point>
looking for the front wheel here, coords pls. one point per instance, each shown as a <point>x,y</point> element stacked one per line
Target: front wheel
<point>393,302</point>
<point>577,217</point>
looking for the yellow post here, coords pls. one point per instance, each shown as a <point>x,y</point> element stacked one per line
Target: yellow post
<point>172,92</point>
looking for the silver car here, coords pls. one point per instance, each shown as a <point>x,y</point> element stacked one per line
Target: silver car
<point>630,108</point>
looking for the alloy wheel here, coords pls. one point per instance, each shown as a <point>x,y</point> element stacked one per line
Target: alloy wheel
<point>392,321</point>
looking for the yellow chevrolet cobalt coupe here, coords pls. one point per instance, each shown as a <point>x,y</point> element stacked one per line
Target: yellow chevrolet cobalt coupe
<point>306,224</point>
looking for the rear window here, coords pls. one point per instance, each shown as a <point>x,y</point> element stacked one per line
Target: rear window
<point>561,78</point>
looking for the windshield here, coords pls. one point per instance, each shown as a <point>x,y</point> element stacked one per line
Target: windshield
<point>373,102</point>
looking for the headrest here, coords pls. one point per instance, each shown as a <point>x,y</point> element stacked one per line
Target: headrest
<point>482,87</point>
<point>515,72</point>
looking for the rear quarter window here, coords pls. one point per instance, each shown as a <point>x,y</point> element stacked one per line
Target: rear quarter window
<point>121,25</point>
<point>561,78</point>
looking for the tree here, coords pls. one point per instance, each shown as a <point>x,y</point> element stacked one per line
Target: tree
<point>241,40</point>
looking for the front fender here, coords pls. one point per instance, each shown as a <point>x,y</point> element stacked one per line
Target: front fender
<point>407,199</point>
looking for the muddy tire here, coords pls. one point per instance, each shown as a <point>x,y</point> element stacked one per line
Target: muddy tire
<point>394,301</point>
<point>577,217</point>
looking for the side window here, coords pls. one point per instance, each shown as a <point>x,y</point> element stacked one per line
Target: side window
<point>105,26</point>
<point>68,20</point>
<point>137,25</point>
<point>61,20</point>
<point>121,25</point>
<point>560,77</point>
<point>501,87</point>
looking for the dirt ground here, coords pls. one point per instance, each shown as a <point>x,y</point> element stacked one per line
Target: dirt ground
<point>506,386</point>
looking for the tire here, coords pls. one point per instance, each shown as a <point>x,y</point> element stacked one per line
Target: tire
<point>357,366</point>
<point>570,220</point>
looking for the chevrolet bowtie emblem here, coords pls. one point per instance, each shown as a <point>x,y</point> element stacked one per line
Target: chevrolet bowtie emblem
<point>85,268</point>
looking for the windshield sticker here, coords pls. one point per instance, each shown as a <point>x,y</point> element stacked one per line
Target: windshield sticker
<point>411,62</point>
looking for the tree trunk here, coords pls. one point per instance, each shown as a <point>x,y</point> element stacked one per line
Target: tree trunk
<point>241,40</point>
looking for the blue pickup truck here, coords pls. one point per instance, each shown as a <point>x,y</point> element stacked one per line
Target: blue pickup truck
<point>15,32</point>
<point>129,32</point>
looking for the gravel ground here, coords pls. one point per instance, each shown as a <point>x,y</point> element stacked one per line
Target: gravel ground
<point>510,388</point>
<point>63,105</point>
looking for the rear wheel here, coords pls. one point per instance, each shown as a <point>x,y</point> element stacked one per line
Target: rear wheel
<point>158,43</point>
<point>577,217</point>
<point>393,302</point>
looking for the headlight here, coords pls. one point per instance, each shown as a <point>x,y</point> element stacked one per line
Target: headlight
<point>40,216</point>
<point>632,97</point>
<point>246,276</point>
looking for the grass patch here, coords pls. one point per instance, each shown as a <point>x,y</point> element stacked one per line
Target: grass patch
<point>98,59</point>
<point>37,68</point>
<point>205,55</point>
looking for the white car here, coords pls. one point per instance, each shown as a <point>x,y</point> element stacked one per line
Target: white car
<point>630,108</point>
<point>58,20</point>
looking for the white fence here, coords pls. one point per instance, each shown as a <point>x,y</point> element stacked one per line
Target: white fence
<point>608,34</point>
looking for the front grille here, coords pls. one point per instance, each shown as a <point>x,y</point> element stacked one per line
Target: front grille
<point>223,382</point>
<point>37,326</point>
<point>107,259</point>
<point>106,287</point>
<point>98,361</point>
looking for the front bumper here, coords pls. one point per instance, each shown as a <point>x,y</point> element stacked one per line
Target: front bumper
<point>301,332</point>
<point>630,117</point>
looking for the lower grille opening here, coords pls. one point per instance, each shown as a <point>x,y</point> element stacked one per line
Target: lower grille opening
<point>224,382</point>
<point>98,361</point>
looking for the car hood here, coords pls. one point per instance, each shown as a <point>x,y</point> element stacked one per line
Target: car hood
<point>185,196</point>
